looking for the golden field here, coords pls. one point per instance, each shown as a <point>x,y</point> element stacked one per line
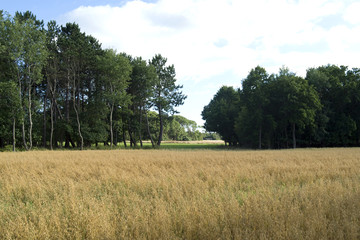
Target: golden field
<point>167,194</point>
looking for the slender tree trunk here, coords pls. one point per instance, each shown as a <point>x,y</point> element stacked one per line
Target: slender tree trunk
<point>30,112</point>
<point>14,138</point>
<point>44,118</point>
<point>23,135</point>
<point>140,127</point>
<point>23,127</point>
<point>132,141</point>
<point>161,127</point>
<point>124,136</point>
<point>111,126</point>
<point>293,135</point>
<point>22,108</point>
<point>30,120</point>
<point>52,91</point>
<point>77,117</point>
<point>52,124</point>
<point>67,109</point>
<point>52,111</point>
<point>148,129</point>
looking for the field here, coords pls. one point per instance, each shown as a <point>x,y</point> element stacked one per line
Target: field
<point>180,194</point>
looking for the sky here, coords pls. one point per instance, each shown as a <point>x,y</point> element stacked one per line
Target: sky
<point>215,42</point>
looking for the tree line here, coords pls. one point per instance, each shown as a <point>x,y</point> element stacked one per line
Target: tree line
<point>59,88</point>
<point>284,110</point>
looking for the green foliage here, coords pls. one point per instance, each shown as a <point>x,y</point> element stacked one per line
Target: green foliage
<point>284,110</point>
<point>338,88</point>
<point>66,91</point>
<point>253,114</point>
<point>180,128</point>
<point>9,108</point>
<point>220,114</point>
<point>60,88</point>
<point>167,94</point>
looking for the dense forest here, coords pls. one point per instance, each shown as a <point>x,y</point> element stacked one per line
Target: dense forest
<point>285,110</point>
<point>59,88</point>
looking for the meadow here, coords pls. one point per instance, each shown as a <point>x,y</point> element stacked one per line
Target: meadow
<point>180,194</point>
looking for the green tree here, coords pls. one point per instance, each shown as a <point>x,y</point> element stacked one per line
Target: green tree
<point>143,78</point>
<point>71,42</point>
<point>221,112</point>
<point>254,101</point>
<point>182,129</point>
<point>295,100</point>
<point>10,110</point>
<point>338,90</point>
<point>52,73</point>
<point>116,71</point>
<point>7,65</point>
<point>80,87</point>
<point>29,53</point>
<point>167,94</point>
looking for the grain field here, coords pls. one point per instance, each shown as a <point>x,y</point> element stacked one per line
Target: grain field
<point>164,194</point>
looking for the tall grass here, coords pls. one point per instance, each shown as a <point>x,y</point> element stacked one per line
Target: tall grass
<point>162,194</point>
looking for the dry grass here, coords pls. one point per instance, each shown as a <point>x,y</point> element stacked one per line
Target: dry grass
<point>159,194</point>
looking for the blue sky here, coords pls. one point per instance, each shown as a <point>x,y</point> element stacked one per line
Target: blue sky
<point>215,42</point>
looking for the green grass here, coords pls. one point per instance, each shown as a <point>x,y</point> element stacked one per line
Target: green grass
<point>166,145</point>
<point>189,146</point>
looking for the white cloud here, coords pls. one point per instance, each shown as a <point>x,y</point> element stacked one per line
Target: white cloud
<point>352,13</point>
<point>207,38</point>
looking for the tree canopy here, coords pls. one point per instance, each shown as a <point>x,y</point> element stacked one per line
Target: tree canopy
<point>285,110</point>
<point>60,88</point>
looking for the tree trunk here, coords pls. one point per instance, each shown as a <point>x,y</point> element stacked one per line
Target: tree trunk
<point>67,142</point>
<point>132,139</point>
<point>30,113</point>
<point>67,109</point>
<point>30,121</point>
<point>22,108</point>
<point>72,143</point>
<point>111,126</point>
<point>77,117</point>
<point>161,127</point>
<point>23,135</point>
<point>140,137</point>
<point>52,124</point>
<point>124,136</point>
<point>293,135</point>
<point>14,138</point>
<point>44,118</point>
<point>52,91</point>
<point>148,129</point>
